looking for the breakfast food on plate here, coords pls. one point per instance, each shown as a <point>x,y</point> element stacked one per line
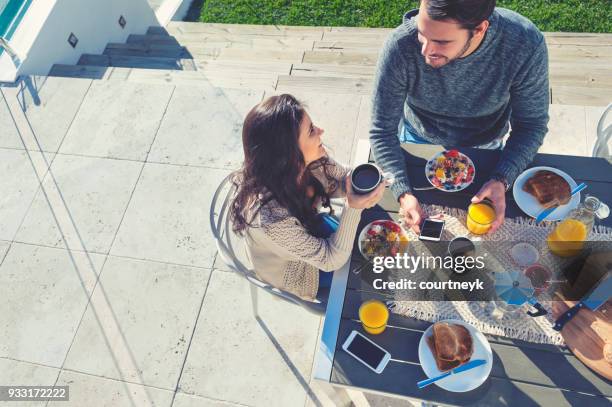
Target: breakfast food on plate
<point>383,238</point>
<point>450,171</point>
<point>548,188</point>
<point>451,345</point>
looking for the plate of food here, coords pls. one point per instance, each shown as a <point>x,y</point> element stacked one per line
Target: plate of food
<point>450,171</point>
<point>449,344</point>
<point>382,238</point>
<point>539,188</point>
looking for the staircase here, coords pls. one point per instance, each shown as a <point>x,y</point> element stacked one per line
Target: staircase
<point>318,59</point>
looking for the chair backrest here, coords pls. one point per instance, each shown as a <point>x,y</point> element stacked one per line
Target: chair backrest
<point>604,135</point>
<point>227,245</point>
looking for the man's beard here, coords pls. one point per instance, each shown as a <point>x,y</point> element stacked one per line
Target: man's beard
<point>467,46</point>
<point>460,54</point>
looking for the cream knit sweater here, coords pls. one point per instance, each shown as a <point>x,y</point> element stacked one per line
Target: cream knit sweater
<point>284,254</point>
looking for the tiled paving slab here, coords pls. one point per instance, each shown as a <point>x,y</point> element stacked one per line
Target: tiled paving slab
<point>187,400</point>
<point>88,199</point>
<point>4,248</point>
<point>566,131</point>
<point>44,293</point>
<point>93,391</point>
<point>18,373</point>
<point>50,105</point>
<point>167,219</point>
<point>203,126</point>
<point>232,358</point>
<point>145,337</point>
<point>9,136</point>
<point>364,121</point>
<point>117,120</point>
<point>18,183</point>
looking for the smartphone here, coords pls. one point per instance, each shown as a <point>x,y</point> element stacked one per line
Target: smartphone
<point>366,351</point>
<point>431,229</point>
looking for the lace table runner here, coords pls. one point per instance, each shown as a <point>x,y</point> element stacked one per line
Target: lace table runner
<point>486,316</point>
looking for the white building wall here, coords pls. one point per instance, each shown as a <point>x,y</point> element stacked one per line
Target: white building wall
<point>42,37</point>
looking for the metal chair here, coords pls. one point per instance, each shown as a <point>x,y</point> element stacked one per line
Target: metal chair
<point>226,242</point>
<point>604,134</point>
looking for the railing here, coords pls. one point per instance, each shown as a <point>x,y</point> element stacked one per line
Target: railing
<point>11,13</point>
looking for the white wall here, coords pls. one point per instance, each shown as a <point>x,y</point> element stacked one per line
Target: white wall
<point>44,31</point>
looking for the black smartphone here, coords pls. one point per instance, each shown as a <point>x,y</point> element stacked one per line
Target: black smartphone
<point>431,229</point>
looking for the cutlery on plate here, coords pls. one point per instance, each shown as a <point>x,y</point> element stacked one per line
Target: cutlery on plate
<point>544,214</point>
<point>470,365</point>
<point>423,188</point>
<point>593,300</point>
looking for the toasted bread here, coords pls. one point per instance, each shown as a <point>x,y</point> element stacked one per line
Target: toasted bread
<point>451,345</point>
<point>548,188</point>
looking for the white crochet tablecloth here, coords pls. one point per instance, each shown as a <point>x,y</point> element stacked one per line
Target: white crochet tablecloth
<point>485,315</point>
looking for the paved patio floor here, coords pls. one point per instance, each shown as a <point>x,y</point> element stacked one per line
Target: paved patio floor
<point>109,280</point>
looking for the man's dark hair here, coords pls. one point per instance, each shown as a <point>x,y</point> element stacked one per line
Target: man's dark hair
<point>468,13</point>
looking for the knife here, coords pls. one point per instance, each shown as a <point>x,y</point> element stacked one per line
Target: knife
<point>470,365</point>
<point>544,214</point>
<point>593,300</point>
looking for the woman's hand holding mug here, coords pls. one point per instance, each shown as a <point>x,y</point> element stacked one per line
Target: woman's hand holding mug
<point>360,201</point>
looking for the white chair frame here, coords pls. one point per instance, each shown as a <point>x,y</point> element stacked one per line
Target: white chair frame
<point>601,149</point>
<point>221,228</point>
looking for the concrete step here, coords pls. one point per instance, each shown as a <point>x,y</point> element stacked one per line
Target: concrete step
<point>155,30</point>
<point>137,62</point>
<point>243,41</point>
<point>237,67</point>
<point>80,71</point>
<point>216,78</point>
<point>314,33</point>
<point>94,60</point>
<point>358,86</point>
<point>330,70</point>
<point>253,80</point>
<point>147,50</point>
<point>151,39</point>
<point>246,55</point>
<point>580,95</point>
<point>341,57</point>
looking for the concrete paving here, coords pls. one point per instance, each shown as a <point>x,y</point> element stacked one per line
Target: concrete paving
<point>108,271</point>
<point>111,124</point>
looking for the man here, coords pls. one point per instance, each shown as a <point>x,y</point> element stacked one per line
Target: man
<point>460,73</point>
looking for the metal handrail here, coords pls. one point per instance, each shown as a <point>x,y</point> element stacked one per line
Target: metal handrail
<point>9,50</point>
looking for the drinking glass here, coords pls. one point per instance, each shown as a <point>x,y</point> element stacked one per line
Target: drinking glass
<point>374,315</point>
<point>480,217</point>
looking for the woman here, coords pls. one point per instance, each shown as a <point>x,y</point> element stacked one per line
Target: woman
<point>285,179</point>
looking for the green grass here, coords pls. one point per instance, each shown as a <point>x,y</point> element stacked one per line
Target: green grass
<point>548,15</point>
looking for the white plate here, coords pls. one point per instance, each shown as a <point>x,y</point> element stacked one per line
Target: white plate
<point>464,381</point>
<point>530,205</point>
<point>454,188</point>
<point>362,235</point>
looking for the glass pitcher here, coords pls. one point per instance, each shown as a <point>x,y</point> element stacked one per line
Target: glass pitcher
<point>568,237</point>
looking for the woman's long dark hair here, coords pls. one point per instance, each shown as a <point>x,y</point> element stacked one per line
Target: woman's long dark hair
<point>274,165</point>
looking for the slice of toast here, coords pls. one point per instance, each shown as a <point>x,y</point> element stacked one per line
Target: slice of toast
<point>549,188</point>
<point>451,345</point>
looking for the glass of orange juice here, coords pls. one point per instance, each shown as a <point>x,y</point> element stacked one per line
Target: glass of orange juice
<point>567,239</point>
<point>374,315</point>
<point>480,217</point>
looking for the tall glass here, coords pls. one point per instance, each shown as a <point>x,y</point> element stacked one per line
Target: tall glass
<point>480,217</point>
<point>374,315</point>
<point>568,237</point>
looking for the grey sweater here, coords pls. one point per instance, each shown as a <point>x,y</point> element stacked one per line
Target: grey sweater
<point>469,101</point>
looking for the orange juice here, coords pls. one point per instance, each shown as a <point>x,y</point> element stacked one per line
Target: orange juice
<point>374,316</point>
<point>567,239</point>
<point>480,217</point>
